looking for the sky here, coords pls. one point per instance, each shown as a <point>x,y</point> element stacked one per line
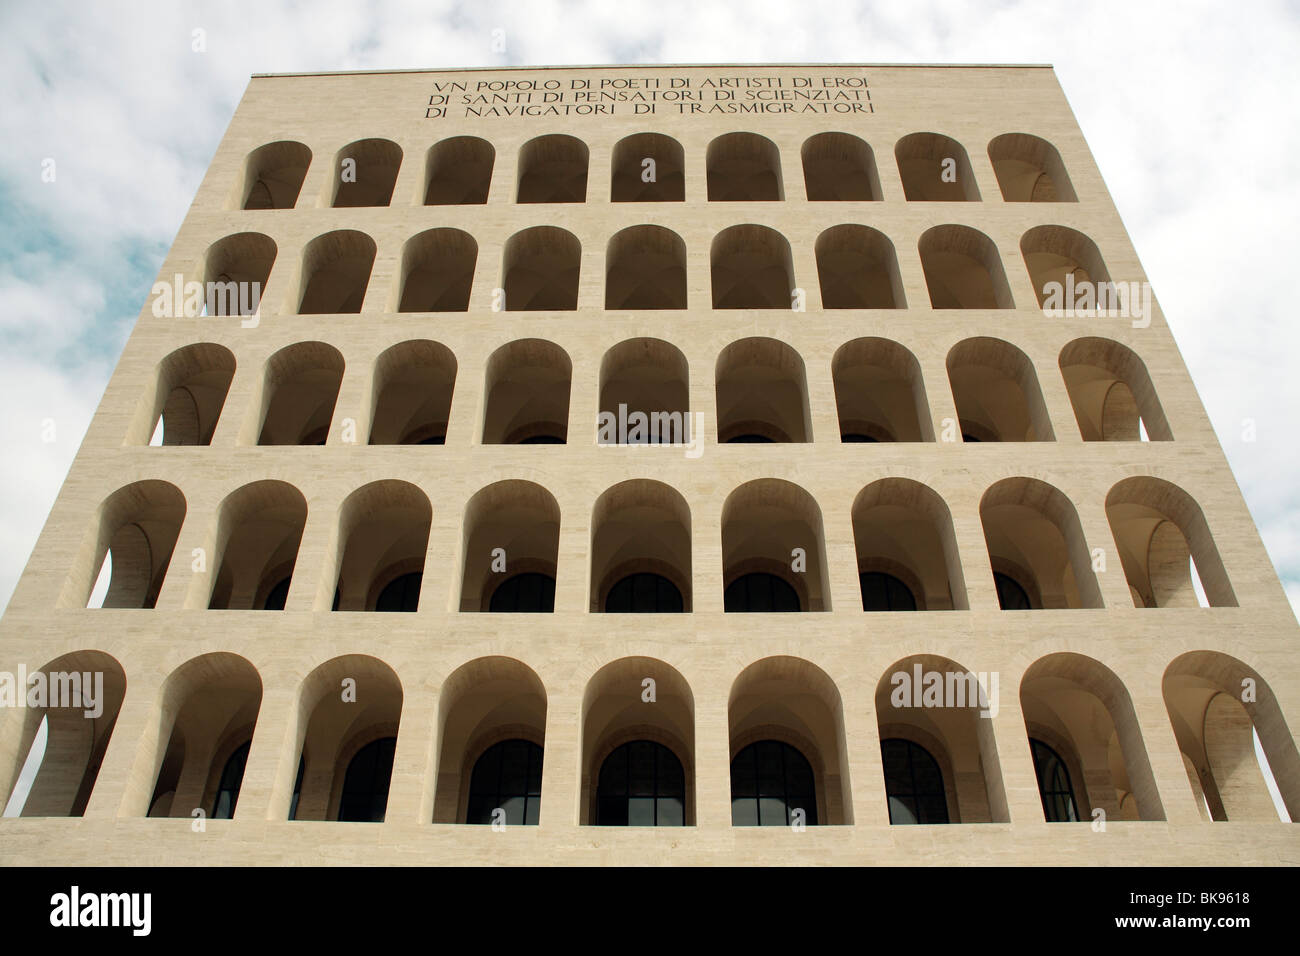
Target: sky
<point>1189,110</point>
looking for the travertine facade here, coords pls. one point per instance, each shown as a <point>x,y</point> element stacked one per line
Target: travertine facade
<point>881,284</point>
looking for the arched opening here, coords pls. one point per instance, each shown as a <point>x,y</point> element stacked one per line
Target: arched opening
<point>412,393</point>
<point>937,746</point>
<point>527,389</point>
<point>553,168</point>
<point>633,179</point>
<point>273,175</point>
<point>512,542</point>
<point>459,171</point>
<point>1086,743</point>
<point>641,549</point>
<point>365,173</point>
<point>259,528</point>
<point>1112,393</point>
<point>235,270</point>
<point>186,397</point>
<point>773,529</point>
<point>646,269</point>
<point>1218,707</point>
<point>383,536</point>
<point>135,531</point>
<point>55,744</point>
<point>298,395</point>
<point>335,272</point>
<point>906,547</point>
<point>1035,539</point>
<point>1067,271</point>
<point>346,741</point>
<point>858,269</point>
<point>963,269</point>
<point>744,167</point>
<point>788,749</point>
<point>644,395</point>
<point>1158,527</point>
<point>751,269</point>
<point>995,389</point>
<point>762,391</point>
<point>935,168</point>
<point>839,167</point>
<point>437,271</point>
<point>880,393</point>
<point>541,267</point>
<point>1029,169</point>
<point>638,758</point>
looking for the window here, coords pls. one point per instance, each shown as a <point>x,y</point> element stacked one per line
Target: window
<point>641,785</point>
<point>401,594</point>
<point>1011,596</point>
<point>770,781</point>
<point>228,789</point>
<point>760,592</point>
<point>913,784</point>
<point>1053,784</point>
<point>644,593</point>
<point>884,592</point>
<point>530,592</point>
<point>277,596</point>
<point>365,787</point>
<point>507,777</point>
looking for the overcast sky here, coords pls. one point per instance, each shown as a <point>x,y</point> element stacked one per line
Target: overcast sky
<point>1189,109</point>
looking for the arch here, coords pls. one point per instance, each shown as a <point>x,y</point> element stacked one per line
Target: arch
<point>903,528</point>
<point>944,708</point>
<point>762,389</point>
<point>335,272</point>
<point>839,167</point>
<point>365,173</point>
<point>437,271</point>
<point>880,392</point>
<point>511,527</point>
<point>628,170</point>
<point>299,391</point>
<point>553,168</point>
<point>644,395</point>
<point>1033,535</point>
<point>235,270</point>
<point>1029,169</point>
<point>78,701</point>
<point>186,396</point>
<point>383,534</point>
<point>273,175</point>
<point>743,167</point>
<point>646,269</point>
<point>995,389</point>
<point>259,528</point>
<point>935,168</point>
<point>527,393</point>
<point>751,268</point>
<point>459,171</point>
<point>413,386</point>
<point>793,702</point>
<point>1214,702</point>
<point>614,713</point>
<point>1080,709</point>
<point>330,732</point>
<point>641,527</point>
<point>1111,392</point>
<point>963,269</point>
<point>1158,527</point>
<point>763,523</point>
<point>858,269</point>
<point>1064,265</point>
<point>541,267</point>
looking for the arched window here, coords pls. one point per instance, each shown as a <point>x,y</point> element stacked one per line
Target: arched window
<point>228,789</point>
<point>277,596</point>
<point>507,777</point>
<point>365,787</point>
<point>770,781</point>
<point>641,785</point>
<point>760,592</point>
<point>1053,784</point>
<point>913,783</point>
<point>884,592</point>
<point>644,593</point>
<point>401,594</point>
<point>525,592</point>
<point>1011,596</point>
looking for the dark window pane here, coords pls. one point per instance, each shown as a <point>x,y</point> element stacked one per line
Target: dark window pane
<point>530,592</point>
<point>913,783</point>
<point>769,779</point>
<point>641,784</point>
<point>760,592</point>
<point>644,593</point>
<point>401,594</point>
<point>365,786</point>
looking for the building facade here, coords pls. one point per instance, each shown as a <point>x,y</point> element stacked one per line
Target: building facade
<point>502,351</point>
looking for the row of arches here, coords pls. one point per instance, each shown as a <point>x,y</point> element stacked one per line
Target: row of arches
<point>761,392</point>
<point>788,746</point>
<point>772,548</point>
<point>649,167</point>
<point>751,267</point>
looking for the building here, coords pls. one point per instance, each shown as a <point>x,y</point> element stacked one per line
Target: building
<point>391,288</point>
